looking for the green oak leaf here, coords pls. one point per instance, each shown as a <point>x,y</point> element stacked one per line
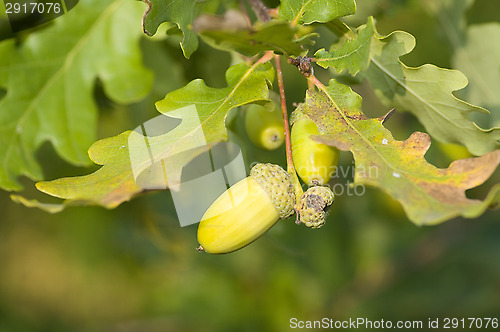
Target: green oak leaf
<point>426,92</point>
<point>117,181</point>
<point>309,11</point>
<point>33,203</point>
<point>354,55</point>
<point>276,36</point>
<point>428,195</point>
<point>50,80</point>
<point>180,12</point>
<point>478,60</point>
<point>109,186</point>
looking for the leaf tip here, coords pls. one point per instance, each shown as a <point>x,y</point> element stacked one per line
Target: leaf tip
<point>387,115</point>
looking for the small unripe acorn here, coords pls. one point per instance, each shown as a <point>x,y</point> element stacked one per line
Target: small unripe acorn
<point>264,125</point>
<point>314,162</point>
<point>312,207</point>
<point>247,210</point>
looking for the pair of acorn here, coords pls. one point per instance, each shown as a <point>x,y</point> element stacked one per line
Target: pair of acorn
<point>253,205</point>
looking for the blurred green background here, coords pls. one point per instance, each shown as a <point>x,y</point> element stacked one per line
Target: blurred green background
<point>135,269</point>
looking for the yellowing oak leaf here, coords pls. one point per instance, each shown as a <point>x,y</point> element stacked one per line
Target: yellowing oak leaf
<point>429,195</point>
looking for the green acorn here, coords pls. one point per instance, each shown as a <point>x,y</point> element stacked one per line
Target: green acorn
<point>264,124</point>
<point>314,162</point>
<point>247,210</point>
<point>312,207</point>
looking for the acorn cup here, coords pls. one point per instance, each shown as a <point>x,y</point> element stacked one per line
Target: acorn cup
<point>314,162</point>
<point>264,124</point>
<point>247,210</point>
<point>312,207</point>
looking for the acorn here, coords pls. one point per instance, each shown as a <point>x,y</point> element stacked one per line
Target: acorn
<point>314,162</point>
<point>312,206</point>
<point>264,124</point>
<point>247,210</point>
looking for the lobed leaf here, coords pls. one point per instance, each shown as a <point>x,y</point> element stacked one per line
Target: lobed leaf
<point>50,79</point>
<point>116,181</point>
<point>354,55</point>
<point>427,92</point>
<point>274,35</point>
<point>109,186</point>
<point>309,11</point>
<point>180,12</point>
<point>428,195</point>
<point>33,203</point>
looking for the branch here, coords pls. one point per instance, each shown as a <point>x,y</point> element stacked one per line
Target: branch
<point>279,72</point>
<point>289,159</point>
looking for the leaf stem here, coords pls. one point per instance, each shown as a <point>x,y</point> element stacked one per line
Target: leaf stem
<point>316,82</point>
<point>310,84</point>
<point>266,57</point>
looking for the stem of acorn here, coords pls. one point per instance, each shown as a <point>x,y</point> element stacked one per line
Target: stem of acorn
<point>262,13</point>
<point>281,86</point>
<point>288,144</point>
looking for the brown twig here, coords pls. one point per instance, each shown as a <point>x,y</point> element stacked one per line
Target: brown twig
<point>285,114</point>
<point>262,13</point>
<point>288,144</point>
